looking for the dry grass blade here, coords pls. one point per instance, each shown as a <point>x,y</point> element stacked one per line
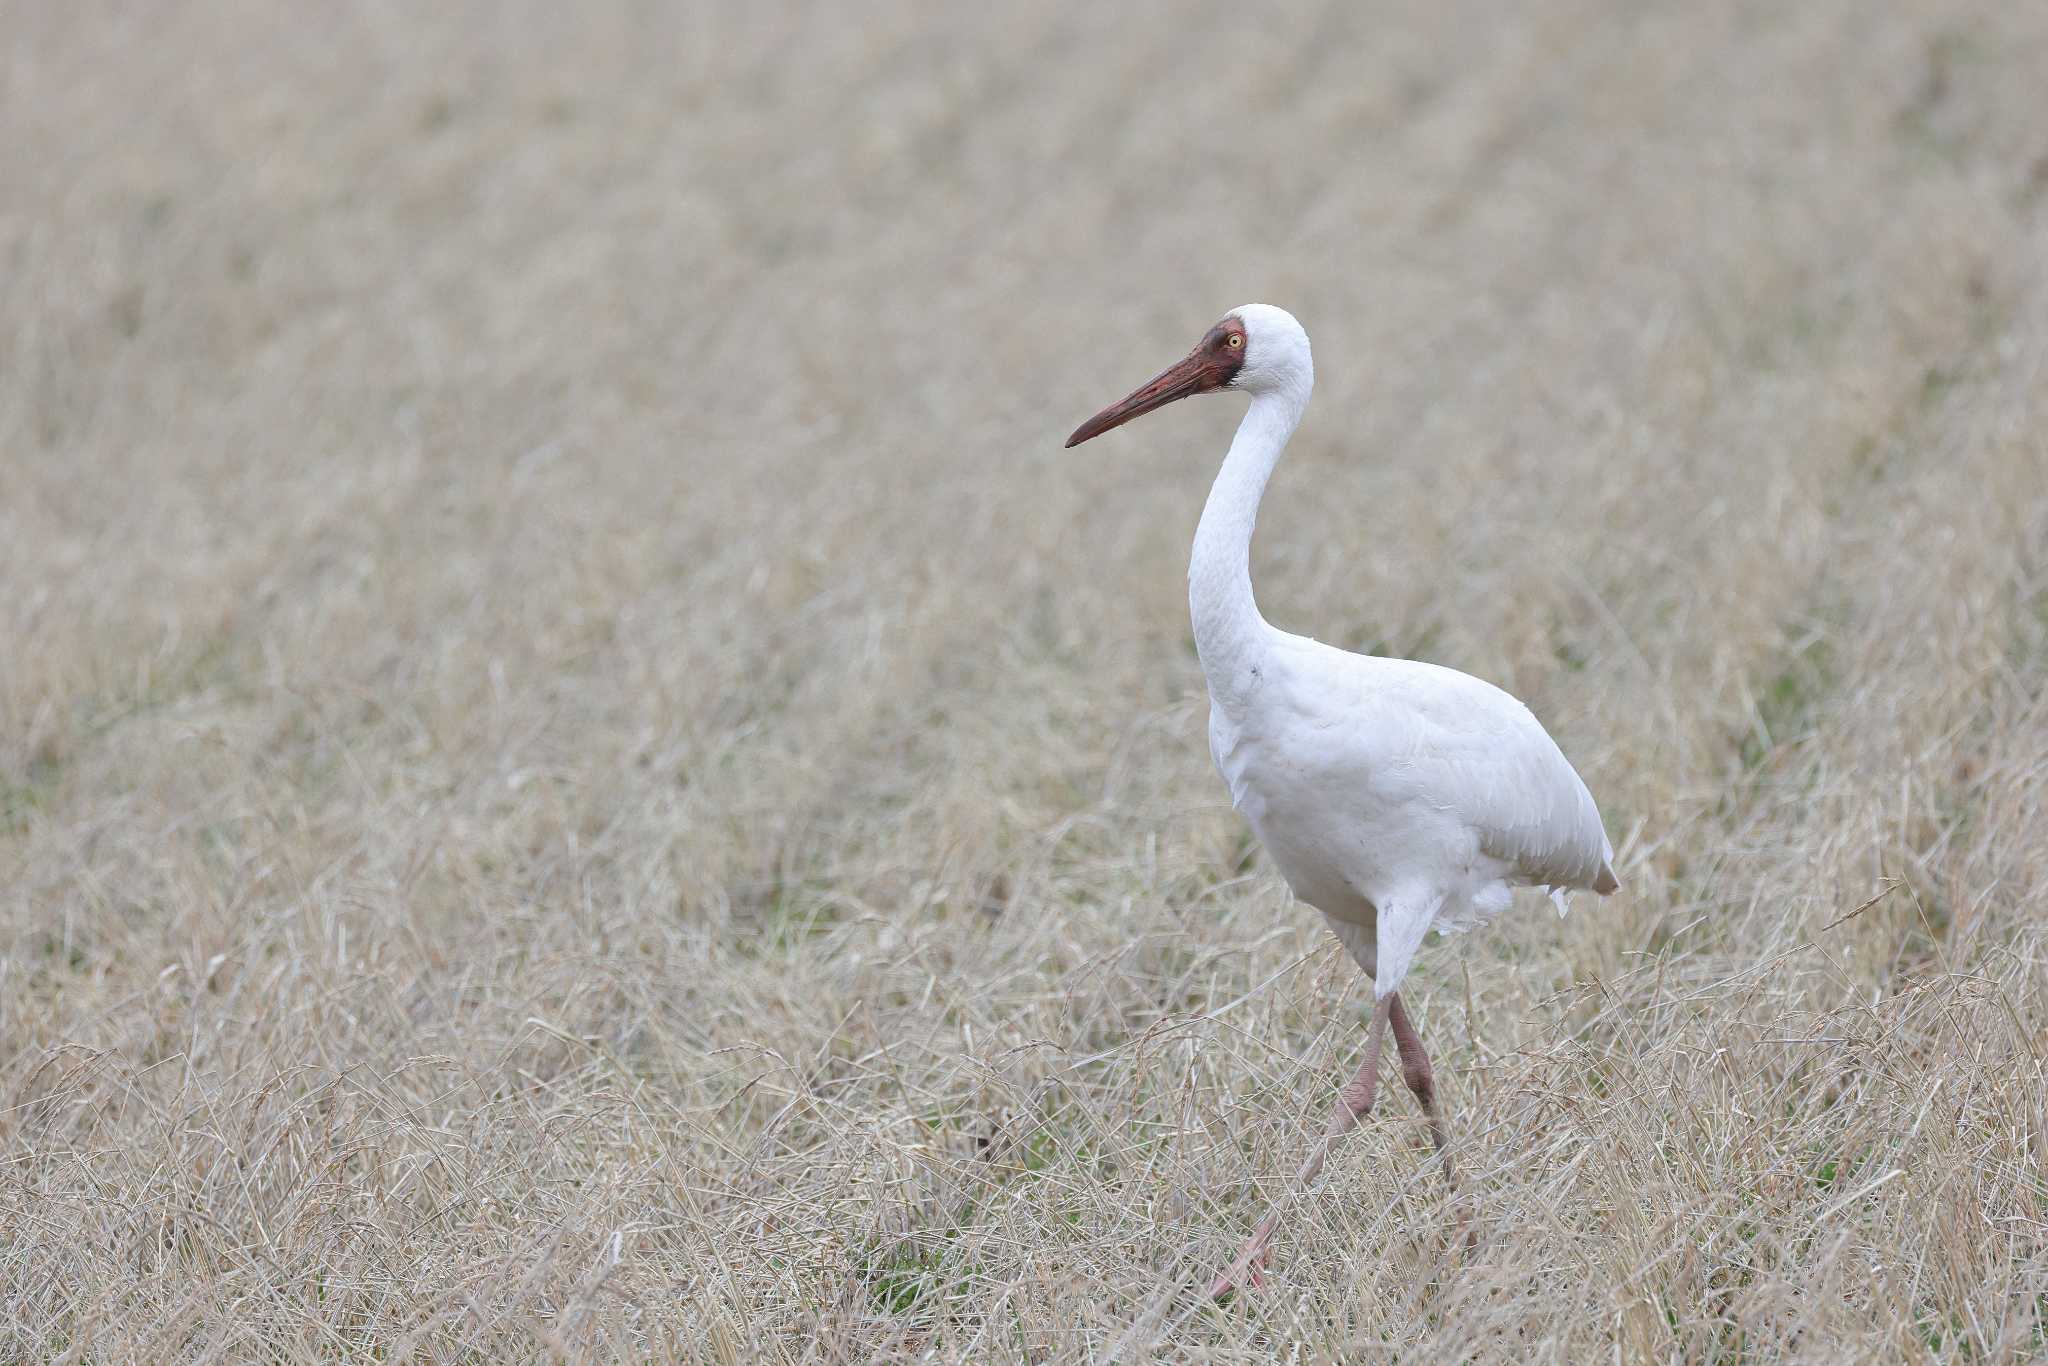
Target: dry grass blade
<point>1891,884</point>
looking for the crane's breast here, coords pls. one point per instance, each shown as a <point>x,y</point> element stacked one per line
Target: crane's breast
<point>1335,834</point>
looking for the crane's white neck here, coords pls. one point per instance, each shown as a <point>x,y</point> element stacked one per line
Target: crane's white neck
<point>1230,635</point>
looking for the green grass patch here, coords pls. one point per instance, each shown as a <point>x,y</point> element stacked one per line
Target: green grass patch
<point>1784,707</point>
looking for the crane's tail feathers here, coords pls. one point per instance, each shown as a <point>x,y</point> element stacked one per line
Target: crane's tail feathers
<point>1605,883</point>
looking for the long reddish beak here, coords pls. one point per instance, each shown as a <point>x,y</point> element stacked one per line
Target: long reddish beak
<point>1190,376</point>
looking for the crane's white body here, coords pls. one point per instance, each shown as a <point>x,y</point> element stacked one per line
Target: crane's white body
<point>1392,795</point>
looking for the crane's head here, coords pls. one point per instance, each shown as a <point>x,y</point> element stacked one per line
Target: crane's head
<point>1257,348</point>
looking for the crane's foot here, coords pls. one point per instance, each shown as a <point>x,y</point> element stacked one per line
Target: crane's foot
<point>1248,1272</point>
<point>1469,1235</point>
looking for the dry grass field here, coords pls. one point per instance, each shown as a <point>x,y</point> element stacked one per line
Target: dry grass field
<point>581,777</point>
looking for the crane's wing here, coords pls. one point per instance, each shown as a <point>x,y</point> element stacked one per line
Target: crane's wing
<point>1460,745</point>
<point>1529,807</point>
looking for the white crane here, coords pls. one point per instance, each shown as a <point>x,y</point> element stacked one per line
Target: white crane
<point>1392,795</point>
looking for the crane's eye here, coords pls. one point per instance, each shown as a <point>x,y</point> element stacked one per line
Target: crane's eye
<point>1236,340</point>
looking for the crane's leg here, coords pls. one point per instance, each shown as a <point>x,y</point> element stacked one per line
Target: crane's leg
<point>1415,1071</point>
<point>1354,1102</point>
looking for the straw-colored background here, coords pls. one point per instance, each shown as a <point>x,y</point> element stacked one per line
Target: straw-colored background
<point>579,773</point>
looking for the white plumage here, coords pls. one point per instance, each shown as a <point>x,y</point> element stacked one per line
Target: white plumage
<point>1394,796</point>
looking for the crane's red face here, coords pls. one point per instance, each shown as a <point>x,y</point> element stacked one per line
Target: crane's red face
<point>1209,367</point>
